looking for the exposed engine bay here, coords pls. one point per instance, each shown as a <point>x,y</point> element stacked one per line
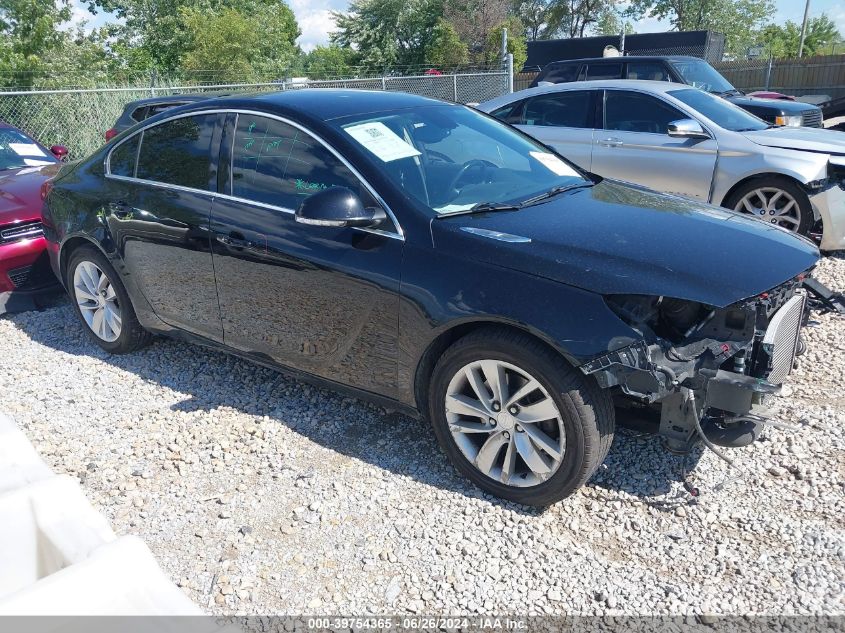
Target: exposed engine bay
<point>709,370</point>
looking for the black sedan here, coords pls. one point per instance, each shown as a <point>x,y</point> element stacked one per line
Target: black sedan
<point>428,257</point>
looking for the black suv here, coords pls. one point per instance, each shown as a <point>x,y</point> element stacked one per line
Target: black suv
<point>686,70</point>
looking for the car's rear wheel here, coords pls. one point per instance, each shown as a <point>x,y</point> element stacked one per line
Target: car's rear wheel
<point>102,303</point>
<point>776,201</point>
<point>517,419</point>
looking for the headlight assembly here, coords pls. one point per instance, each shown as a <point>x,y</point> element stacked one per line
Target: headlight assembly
<point>789,121</point>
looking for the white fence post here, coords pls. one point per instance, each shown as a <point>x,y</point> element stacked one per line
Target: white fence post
<point>455,87</point>
<point>383,82</point>
<point>510,71</point>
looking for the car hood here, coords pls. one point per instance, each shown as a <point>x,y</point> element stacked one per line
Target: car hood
<point>808,139</point>
<point>20,192</point>
<point>615,238</point>
<point>781,105</point>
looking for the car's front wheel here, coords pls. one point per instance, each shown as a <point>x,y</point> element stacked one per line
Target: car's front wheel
<point>518,420</point>
<point>774,200</point>
<point>102,303</point>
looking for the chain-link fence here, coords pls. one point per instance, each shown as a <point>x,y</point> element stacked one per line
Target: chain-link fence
<point>79,119</point>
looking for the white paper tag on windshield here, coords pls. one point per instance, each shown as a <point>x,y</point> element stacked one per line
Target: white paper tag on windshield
<point>381,141</point>
<point>554,164</point>
<point>26,149</point>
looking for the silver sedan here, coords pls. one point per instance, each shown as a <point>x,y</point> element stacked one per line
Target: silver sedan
<point>682,140</point>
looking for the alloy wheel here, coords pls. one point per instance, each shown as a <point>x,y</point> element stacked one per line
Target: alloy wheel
<point>773,205</point>
<point>97,301</point>
<point>505,423</point>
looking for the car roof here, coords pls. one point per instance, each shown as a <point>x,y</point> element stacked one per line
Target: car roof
<point>322,103</point>
<point>596,84</point>
<point>181,98</point>
<point>626,58</point>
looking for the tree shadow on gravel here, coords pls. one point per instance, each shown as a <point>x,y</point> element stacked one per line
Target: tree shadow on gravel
<point>636,465</point>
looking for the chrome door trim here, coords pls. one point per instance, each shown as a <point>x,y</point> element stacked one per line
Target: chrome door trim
<point>399,233</point>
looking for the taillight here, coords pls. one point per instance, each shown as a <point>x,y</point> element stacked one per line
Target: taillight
<point>46,188</point>
<point>110,134</point>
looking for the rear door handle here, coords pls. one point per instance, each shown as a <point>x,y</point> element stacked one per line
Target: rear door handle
<point>610,142</point>
<point>120,210</point>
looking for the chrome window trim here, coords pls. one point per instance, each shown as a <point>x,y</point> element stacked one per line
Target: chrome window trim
<point>398,233</point>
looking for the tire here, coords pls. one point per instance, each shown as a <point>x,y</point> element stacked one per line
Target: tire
<point>800,221</point>
<point>120,336</point>
<point>585,417</point>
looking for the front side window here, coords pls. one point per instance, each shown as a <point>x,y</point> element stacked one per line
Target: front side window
<point>124,156</point>
<point>451,158</point>
<point>562,109</point>
<point>723,113</point>
<point>278,164</point>
<point>699,74</point>
<point>604,71</point>
<point>636,112</point>
<point>178,152</point>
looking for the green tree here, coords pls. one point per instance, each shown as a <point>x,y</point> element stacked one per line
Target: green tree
<point>38,50</point>
<point>572,18</point>
<point>235,45</point>
<point>737,19</point>
<point>784,40</point>
<point>330,62</point>
<point>516,43</point>
<point>388,32</point>
<point>154,33</point>
<point>446,50</point>
<point>611,22</point>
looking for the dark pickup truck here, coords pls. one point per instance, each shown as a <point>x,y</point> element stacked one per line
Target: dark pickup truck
<point>681,69</point>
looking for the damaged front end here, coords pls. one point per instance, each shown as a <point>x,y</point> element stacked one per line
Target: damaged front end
<point>708,370</point>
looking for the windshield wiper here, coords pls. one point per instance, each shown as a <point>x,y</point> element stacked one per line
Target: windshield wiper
<point>482,207</point>
<point>554,191</point>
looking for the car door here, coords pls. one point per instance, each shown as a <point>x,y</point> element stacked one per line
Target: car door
<point>562,120</point>
<point>634,145</point>
<point>319,299</point>
<point>161,183</point>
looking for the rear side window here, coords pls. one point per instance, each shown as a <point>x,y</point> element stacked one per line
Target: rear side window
<point>636,112</point>
<point>178,152</point>
<point>123,158</point>
<point>562,109</point>
<point>604,71</point>
<point>275,163</point>
<point>139,114</point>
<point>561,74</point>
<point>161,107</point>
<point>653,71</point>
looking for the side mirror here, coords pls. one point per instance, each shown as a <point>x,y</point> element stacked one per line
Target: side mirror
<point>59,151</point>
<point>338,207</point>
<point>687,128</point>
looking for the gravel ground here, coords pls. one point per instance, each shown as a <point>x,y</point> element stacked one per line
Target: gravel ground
<point>261,494</point>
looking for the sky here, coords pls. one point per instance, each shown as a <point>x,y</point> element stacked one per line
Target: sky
<point>314,17</point>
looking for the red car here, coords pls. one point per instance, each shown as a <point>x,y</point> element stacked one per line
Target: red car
<point>25,165</point>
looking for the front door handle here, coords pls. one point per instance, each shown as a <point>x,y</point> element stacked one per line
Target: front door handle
<point>235,240</point>
<point>610,142</point>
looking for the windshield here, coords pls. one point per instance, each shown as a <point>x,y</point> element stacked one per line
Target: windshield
<point>721,112</point>
<point>452,158</point>
<point>699,74</point>
<point>18,150</point>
